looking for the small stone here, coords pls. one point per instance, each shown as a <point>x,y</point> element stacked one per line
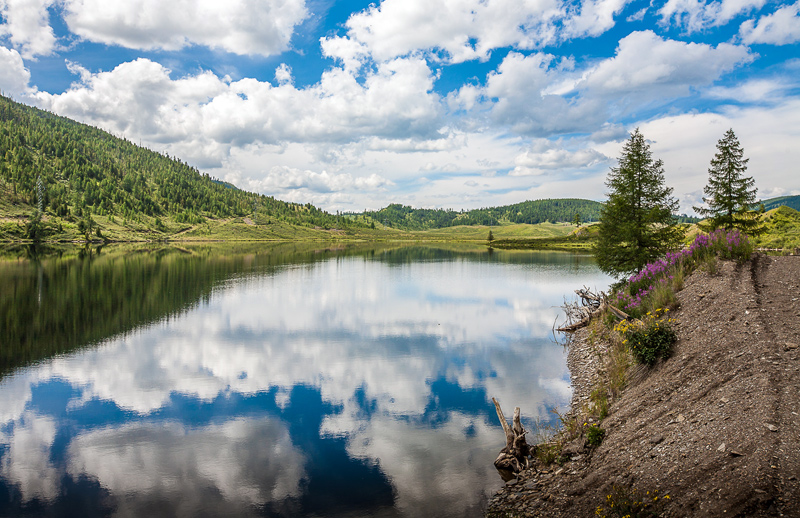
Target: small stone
<point>735,453</point>
<point>724,400</point>
<point>657,438</point>
<point>789,346</point>
<point>721,448</point>
<point>771,427</point>
<point>680,418</point>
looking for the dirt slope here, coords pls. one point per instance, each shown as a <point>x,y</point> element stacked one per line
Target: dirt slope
<point>716,427</point>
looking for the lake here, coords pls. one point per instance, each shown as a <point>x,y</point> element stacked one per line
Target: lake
<point>286,380</point>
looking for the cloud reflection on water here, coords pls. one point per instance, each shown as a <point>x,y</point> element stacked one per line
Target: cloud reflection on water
<point>404,359</point>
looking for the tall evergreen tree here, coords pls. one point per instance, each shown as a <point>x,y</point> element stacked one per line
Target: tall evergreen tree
<point>636,224</point>
<point>730,196</point>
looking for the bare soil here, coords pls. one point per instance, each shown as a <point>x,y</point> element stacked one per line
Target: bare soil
<point>716,426</point>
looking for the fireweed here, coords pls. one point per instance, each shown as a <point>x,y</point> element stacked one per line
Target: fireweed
<point>655,284</point>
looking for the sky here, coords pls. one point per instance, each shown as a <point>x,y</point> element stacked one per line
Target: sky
<point>459,104</point>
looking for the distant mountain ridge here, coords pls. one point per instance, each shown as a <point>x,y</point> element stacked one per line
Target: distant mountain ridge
<point>793,202</point>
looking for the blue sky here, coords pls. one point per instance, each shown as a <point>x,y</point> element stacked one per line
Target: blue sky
<point>453,103</point>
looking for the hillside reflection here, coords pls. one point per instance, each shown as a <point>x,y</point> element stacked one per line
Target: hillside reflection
<point>276,382</point>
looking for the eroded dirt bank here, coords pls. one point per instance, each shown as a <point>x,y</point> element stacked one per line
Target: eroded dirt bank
<point>716,427</point>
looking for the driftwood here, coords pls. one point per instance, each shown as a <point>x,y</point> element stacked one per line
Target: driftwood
<point>514,457</point>
<point>579,314</point>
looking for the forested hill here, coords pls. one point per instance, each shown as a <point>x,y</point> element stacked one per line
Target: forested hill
<point>85,171</point>
<point>538,211</point>
<point>793,202</point>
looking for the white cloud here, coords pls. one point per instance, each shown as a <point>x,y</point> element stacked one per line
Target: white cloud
<point>282,178</point>
<point>283,74</point>
<point>779,28</point>
<point>698,15</point>
<point>653,67</point>
<point>237,26</point>
<point>467,30</point>
<point>756,91</point>
<point>540,95</point>
<point>27,25</point>
<point>200,117</point>
<point>14,77</point>
<point>543,158</point>
<point>594,18</point>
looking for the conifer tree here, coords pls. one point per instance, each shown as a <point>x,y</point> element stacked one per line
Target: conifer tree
<point>730,196</point>
<point>636,223</point>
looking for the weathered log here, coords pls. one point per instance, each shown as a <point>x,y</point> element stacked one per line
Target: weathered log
<point>618,313</point>
<point>513,458</point>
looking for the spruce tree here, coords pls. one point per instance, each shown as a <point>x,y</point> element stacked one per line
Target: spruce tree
<point>730,196</point>
<point>636,223</point>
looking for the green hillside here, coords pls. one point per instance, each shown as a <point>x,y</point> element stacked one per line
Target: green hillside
<point>782,229</point>
<point>793,202</point>
<point>84,176</point>
<point>530,212</point>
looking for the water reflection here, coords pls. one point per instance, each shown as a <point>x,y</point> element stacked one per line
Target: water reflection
<point>273,382</point>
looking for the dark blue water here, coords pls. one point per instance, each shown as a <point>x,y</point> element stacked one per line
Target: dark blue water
<point>323,384</point>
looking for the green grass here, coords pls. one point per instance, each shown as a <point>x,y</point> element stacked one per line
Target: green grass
<point>13,219</point>
<point>782,230</point>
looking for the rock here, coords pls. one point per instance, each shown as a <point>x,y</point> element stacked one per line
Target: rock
<point>771,427</point>
<point>655,439</point>
<point>721,447</point>
<point>789,346</point>
<point>680,418</point>
<point>574,447</point>
<point>735,453</point>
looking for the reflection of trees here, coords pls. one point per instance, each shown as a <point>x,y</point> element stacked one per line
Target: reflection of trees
<point>53,303</point>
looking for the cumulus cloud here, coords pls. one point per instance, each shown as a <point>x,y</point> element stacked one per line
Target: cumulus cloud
<point>654,67</point>
<point>27,26</point>
<point>541,95</point>
<point>282,178</point>
<point>237,26</point>
<point>14,77</point>
<point>200,117</point>
<point>754,91</point>
<point>593,19</point>
<point>543,157</point>
<point>698,15</point>
<point>779,28</point>
<point>458,31</point>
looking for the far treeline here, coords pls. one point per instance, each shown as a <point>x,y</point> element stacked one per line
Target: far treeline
<point>530,212</point>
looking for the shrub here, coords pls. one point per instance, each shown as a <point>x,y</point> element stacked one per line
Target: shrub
<point>595,435</point>
<point>650,338</point>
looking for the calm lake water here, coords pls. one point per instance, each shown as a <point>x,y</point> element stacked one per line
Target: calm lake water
<point>273,381</point>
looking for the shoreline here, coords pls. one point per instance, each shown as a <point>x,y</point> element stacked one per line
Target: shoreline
<point>714,427</point>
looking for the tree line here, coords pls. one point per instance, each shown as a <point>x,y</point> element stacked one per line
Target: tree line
<point>532,212</point>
